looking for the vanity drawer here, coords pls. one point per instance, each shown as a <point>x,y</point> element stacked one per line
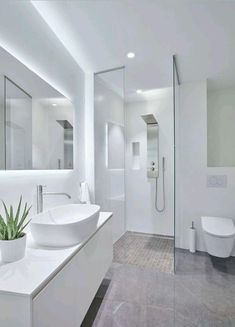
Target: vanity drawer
<point>66,298</point>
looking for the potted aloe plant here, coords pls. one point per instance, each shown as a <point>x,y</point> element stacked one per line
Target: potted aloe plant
<point>12,236</point>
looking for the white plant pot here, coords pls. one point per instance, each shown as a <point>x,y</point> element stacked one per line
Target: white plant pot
<point>13,250</point>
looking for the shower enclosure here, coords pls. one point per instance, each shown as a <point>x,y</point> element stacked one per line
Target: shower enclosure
<point>134,169</point>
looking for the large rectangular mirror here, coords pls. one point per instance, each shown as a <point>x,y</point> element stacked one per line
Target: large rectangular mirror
<point>36,121</point>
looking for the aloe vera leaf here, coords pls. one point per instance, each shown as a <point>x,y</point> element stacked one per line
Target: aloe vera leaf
<point>22,228</point>
<point>2,222</point>
<point>25,207</point>
<point>12,222</point>
<point>6,211</point>
<point>9,223</point>
<point>9,231</point>
<point>18,211</point>
<point>11,214</point>
<point>24,217</point>
<point>14,229</point>
<point>2,235</point>
<point>2,227</point>
<point>5,234</point>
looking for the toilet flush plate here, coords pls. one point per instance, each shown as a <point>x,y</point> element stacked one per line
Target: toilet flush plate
<point>217,181</point>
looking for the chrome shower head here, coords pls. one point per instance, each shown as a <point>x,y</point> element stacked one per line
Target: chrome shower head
<point>149,119</point>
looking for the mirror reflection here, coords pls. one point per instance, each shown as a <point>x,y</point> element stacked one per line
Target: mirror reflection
<point>36,121</point>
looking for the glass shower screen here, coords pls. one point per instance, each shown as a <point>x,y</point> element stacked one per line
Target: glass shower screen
<point>109,122</point>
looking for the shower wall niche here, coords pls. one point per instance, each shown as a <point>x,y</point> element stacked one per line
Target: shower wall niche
<point>135,155</point>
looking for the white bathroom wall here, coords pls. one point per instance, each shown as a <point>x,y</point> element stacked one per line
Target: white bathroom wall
<point>195,198</point>
<point>35,45</point>
<point>16,183</point>
<point>89,151</point>
<point>220,127</point>
<point>141,214</point>
<point>109,153</point>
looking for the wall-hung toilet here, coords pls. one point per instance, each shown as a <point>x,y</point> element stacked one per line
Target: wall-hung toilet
<point>219,235</point>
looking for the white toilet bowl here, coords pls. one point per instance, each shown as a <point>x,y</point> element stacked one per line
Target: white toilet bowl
<point>219,235</point>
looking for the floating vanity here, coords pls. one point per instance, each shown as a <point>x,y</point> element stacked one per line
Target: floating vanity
<point>54,287</point>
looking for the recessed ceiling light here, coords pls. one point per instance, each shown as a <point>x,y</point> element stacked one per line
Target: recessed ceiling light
<point>139,91</point>
<point>54,104</point>
<point>130,55</point>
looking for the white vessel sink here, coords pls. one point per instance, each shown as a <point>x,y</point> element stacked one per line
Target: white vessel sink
<point>65,225</point>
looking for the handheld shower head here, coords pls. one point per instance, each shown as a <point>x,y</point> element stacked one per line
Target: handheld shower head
<point>163,188</point>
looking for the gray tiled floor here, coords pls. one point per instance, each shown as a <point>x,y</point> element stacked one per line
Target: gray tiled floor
<point>200,294</point>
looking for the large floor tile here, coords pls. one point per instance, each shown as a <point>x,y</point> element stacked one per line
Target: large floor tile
<point>141,286</point>
<point>122,314</point>
<point>119,314</point>
<point>200,294</point>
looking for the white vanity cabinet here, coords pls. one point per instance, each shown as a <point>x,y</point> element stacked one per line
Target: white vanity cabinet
<point>63,299</point>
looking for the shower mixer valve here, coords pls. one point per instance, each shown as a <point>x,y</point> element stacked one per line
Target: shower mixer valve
<point>153,166</point>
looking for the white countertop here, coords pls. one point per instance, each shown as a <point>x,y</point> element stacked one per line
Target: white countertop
<point>26,276</point>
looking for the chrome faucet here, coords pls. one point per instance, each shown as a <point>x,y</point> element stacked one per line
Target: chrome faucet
<point>41,193</point>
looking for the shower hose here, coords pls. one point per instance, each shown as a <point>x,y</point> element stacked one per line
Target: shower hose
<point>163,189</point>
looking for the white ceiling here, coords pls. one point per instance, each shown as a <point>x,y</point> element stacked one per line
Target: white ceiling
<point>98,34</point>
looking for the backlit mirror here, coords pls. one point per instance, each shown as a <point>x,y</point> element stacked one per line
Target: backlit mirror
<point>36,121</point>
